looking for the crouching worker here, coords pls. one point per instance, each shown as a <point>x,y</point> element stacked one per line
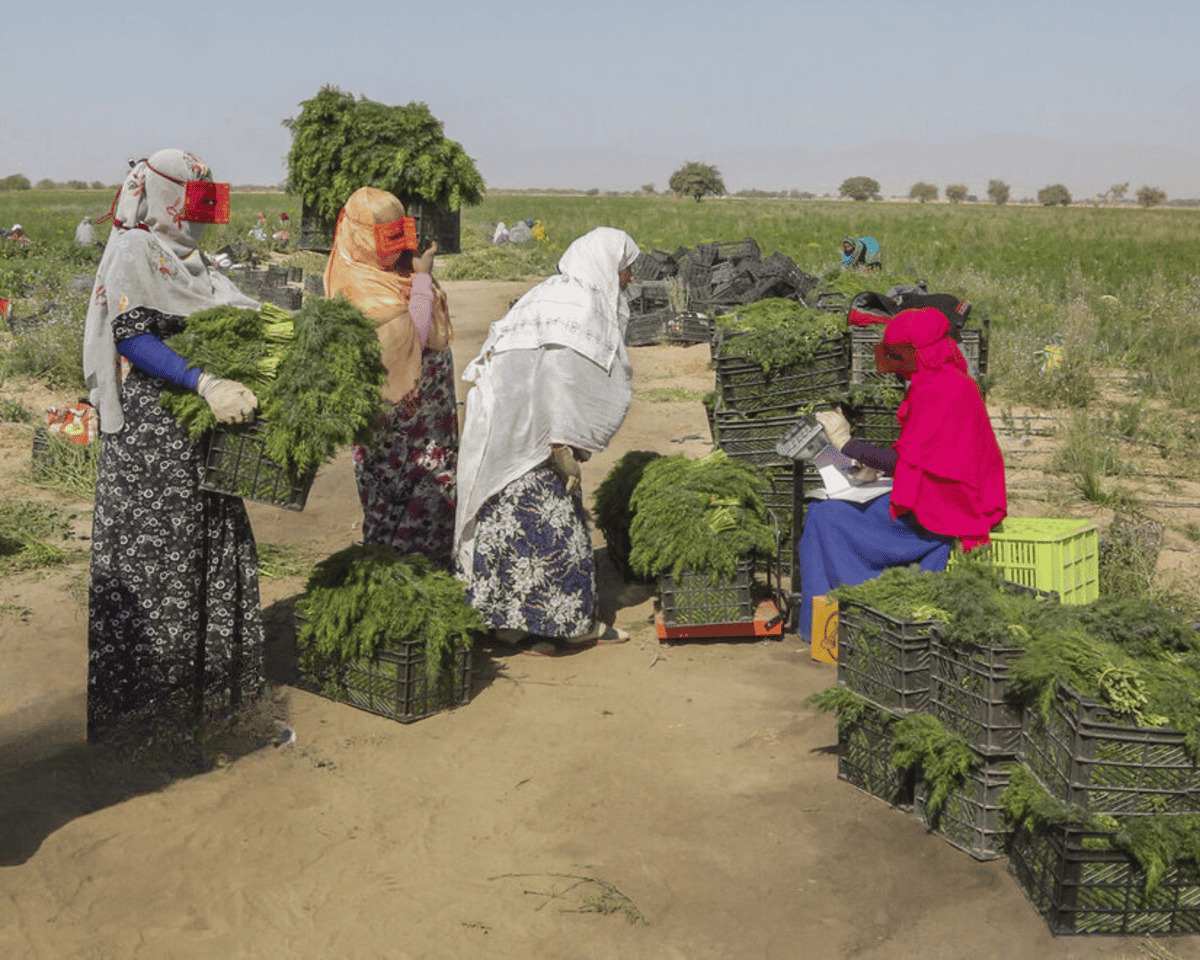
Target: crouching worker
<point>947,470</point>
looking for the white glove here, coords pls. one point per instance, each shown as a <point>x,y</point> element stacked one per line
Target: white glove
<point>562,459</point>
<point>836,427</point>
<point>229,401</point>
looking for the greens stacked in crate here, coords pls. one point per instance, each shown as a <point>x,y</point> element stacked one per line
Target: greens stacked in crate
<point>1066,736</point>
<point>386,633</point>
<point>695,525</point>
<point>316,375</point>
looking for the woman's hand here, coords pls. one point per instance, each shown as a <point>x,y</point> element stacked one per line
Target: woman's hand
<point>562,459</point>
<point>230,401</point>
<point>424,263</point>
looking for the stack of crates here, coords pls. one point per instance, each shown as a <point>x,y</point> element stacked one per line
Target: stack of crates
<point>753,409</point>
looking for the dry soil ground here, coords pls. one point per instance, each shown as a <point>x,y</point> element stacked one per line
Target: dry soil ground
<point>634,801</point>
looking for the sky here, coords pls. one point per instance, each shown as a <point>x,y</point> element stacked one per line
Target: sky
<point>776,94</point>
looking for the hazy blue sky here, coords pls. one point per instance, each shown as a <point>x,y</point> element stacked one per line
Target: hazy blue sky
<point>775,94</point>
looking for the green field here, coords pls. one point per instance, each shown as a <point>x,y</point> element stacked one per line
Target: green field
<point>1116,288</point>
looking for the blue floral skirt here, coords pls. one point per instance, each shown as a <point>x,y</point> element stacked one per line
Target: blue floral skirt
<point>534,567</point>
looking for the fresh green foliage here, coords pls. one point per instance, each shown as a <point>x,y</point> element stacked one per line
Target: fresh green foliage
<point>325,394</point>
<point>697,515</point>
<point>920,742</point>
<point>368,598</point>
<point>231,343</point>
<point>611,507</point>
<point>340,144</point>
<point>849,706</point>
<point>316,375</point>
<point>779,334</point>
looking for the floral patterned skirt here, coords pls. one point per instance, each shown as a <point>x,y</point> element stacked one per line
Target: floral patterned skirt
<point>534,567</point>
<point>406,478</point>
<point>174,629</point>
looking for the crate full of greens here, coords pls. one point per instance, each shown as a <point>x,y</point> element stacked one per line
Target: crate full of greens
<point>316,376</point>
<point>386,633</point>
<point>1095,874</point>
<point>1111,692</point>
<point>698,525</point>
<point>866,743</point>
<point>776,355</point>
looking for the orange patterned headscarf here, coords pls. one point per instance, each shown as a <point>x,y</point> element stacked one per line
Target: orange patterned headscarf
<point>375,285</point>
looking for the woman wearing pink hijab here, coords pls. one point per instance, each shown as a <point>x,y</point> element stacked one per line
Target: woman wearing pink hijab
<point>947,470</point>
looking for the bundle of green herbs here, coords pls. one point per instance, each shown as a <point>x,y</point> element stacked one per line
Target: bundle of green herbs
<point>700,516</point>
<point>612,510</point>
<point>316,375</point>
<point>368,598</point>
<point>232,343</point>
<point>920,742</point>
<point>779,334</point>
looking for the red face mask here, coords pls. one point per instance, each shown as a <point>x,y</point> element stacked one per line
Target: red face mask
<point>203,200</point>
<point>896,358</point>
<point>395,236</point>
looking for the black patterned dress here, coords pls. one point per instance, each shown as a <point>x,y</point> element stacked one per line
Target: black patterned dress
<point>174,628</point>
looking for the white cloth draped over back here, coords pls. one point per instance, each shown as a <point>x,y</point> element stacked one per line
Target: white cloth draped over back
<point>554,369</point>
<point>151,260</point>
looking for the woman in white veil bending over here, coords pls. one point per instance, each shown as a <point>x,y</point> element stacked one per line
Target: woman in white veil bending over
<point>552,384</point>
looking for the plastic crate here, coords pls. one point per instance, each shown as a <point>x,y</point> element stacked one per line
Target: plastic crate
<point>1084,754</point>
<point>865,759</point>
<point>970,818</point>
<point>744,387</point>
<point>237,465</point>
<point>688,328</point>
<point>396,684</point>
<point>874,423</point>
<point>863,367</point>
<point>645,331</point>
<point>700,599</point>
<point>967,688</point>
<point>1059,555</point>
<point>1081,884</point>
<point>882,659</point>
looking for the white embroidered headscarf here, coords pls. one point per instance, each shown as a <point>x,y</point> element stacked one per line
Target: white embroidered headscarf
<point>152,259</point>
<point>553,370</point>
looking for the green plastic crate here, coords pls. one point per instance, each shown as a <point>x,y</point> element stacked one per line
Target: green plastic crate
<point>1056,555</point>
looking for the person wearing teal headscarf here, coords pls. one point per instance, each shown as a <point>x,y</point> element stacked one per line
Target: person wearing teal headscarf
<point>860,253</point>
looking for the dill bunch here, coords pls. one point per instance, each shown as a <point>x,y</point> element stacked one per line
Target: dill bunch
<point>698,516</point>
<point>612,510</point>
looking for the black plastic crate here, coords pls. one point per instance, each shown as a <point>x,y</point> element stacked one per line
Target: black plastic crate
<point>646,330</point>
<point>874,423</point>
<point>971,818</point>
<point>864,369</point>
<point>967,687</point>
<point>1085,754</point>
<point>700,599</point>
<point>1082,884</point>
<point>237,465</point>
<point>883,659</point>
<point>744,387</point>
<point>865,759</point>
<point>396,683</point>
<point>688,328</point>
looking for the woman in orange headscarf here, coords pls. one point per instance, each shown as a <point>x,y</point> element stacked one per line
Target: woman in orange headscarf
<point>406,477</point>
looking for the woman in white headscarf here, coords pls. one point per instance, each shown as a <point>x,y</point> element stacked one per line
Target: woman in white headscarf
<point>552,384</point>
<point>174,629</point>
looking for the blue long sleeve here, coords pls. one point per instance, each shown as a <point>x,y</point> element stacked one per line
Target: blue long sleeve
<point>152,355</point>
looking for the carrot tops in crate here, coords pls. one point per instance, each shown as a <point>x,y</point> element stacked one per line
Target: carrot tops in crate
<point>316,374</point>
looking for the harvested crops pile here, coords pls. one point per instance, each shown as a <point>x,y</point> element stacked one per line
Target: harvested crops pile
<point>777,333</point>
<point>697,515</point>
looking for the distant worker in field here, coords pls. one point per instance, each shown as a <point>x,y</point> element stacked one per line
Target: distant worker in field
<point>521,231</point>
<point>18,233</point>
<point>283,235</point>
<point>861,253</point>
<point>85,233</point>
